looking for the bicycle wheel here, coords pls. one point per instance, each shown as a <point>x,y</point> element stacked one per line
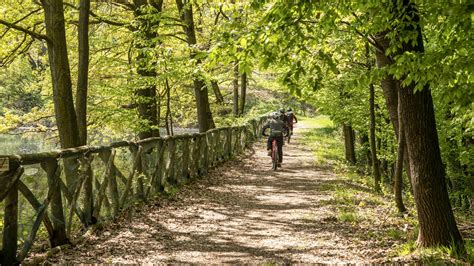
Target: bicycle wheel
<point>274,156</point>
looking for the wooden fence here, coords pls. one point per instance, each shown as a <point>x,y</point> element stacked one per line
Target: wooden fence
<point>77,191</point>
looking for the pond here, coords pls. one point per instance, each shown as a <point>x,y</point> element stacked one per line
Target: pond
<point>43,142</point>
<point>26,143</point>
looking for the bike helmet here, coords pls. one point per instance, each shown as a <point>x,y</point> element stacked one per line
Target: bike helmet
<point>289,110</point>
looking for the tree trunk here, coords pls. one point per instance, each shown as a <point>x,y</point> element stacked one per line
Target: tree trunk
<point>204,113</point>
<point>235,83</point>
<point>390,88</point>
<point>146,94</point>
<point>349,143</point>
<point>217,92</point>
<point>60,74</point>
<point>66,119</point>
<point>83,70</point>
<point>435,216</point>
<point>372,136</point>
<point>81,99</point>
<point>169,126</point>
<point>243,92</point>
<point>373,147</point>
<point>397,178</point>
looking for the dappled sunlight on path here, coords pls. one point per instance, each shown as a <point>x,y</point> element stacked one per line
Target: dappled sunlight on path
<point>242,212</point>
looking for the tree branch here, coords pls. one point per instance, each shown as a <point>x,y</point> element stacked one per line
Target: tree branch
<point>368,38</point>
<point>101,19</point>
<point>33,34</point>
<point>175,36</point>
<point>27,15</point>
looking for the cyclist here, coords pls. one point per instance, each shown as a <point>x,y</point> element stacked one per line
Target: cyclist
<point>290,118</point>
<point>284,117</point>
<point>277,129</point>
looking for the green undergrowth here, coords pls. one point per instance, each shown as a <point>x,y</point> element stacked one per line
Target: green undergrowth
<point>321,136</point>
<point>355,202</point>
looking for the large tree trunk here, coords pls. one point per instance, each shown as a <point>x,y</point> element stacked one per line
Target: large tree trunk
<point>235,83</point>
<point>66,119</point>
<point>349,143</point>
<point>243,92</point>
<point>204,113</point>
<point>435,216</point>
<point>146,94</point>
<point>83,70</point>
<point>60,74</point>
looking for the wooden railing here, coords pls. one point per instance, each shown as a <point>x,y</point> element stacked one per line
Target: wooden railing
<point>100,181</point>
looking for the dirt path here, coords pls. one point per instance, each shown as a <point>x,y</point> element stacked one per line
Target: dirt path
<point>242,212</point>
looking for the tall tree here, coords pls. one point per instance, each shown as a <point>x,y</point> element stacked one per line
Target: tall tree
<point>146,94</point>
<point>81,99</point>
<point>204,113</point>
<point>435,215</point>
<point>66,119</point>
<point>83,70</point>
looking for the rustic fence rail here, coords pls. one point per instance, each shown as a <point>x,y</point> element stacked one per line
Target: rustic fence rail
<point>79,193</point>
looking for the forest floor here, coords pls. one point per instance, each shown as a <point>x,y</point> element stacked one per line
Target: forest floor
<point>243,212</point>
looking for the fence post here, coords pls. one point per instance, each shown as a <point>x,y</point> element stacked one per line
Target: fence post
<point>88,200</point>
<point>10,223</point>
<point>53,171</point>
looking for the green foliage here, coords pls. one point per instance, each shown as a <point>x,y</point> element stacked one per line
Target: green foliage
<point>347,216</point>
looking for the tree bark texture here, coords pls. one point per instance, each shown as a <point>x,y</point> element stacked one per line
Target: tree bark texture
<point>217,92</point>
<point>349,143</point>
<point>243,92</point>
<point>435,215</point>
<point>83,70</point>
<point>204,113</point>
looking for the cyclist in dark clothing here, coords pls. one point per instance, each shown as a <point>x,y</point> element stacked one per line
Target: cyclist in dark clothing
<point>291,117</point>
<point>277,130</point>
<point>284,117</point>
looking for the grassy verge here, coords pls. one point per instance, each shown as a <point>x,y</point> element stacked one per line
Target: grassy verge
<point>373,215</point>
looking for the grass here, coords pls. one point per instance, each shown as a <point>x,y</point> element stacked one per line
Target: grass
<point>348,216</point>
<point>436,254</point>
<point>355,202</point>
<point>322,139</point>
